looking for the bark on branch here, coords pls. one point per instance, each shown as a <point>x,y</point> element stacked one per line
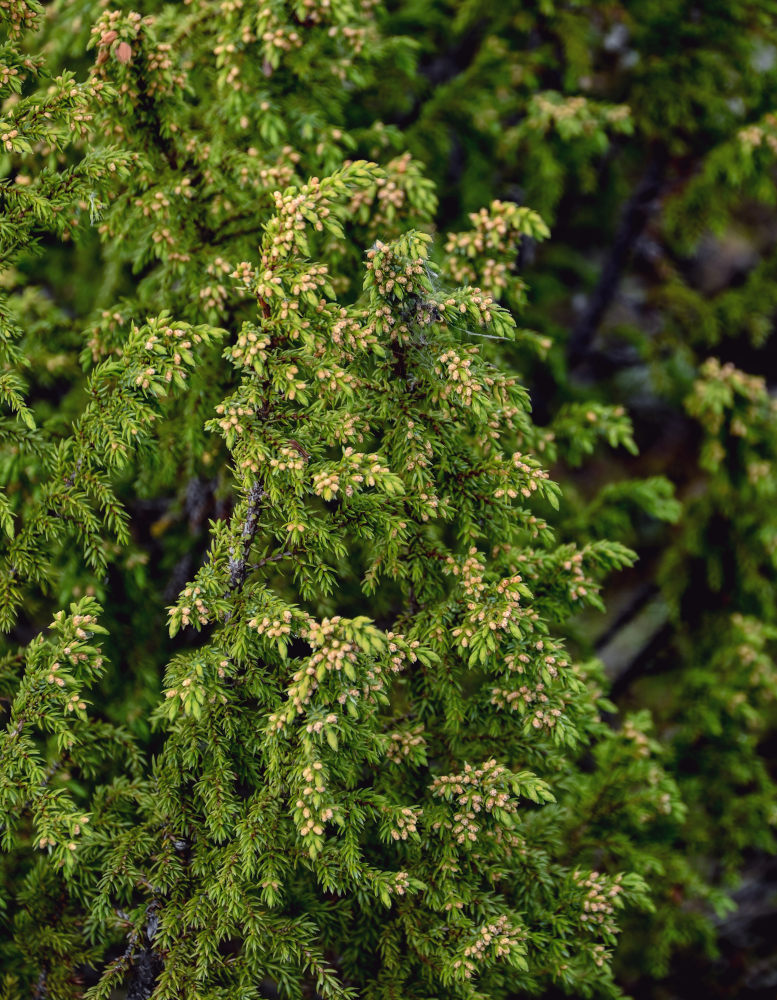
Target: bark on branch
<point>238,565</point>
<point>634,217</point>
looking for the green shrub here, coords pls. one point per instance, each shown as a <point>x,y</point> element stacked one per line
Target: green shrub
<point>298,687</point>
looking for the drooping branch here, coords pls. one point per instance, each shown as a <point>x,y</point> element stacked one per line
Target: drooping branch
<point>148,963</point>
<point>238,565</point>
<point>634,216</point>
<point>145,972</point>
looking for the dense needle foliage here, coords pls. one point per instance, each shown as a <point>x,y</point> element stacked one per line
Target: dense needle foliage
<point>299,594</point>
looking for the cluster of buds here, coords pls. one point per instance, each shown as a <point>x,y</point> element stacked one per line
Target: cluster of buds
<point>496,939</point>
<point>320,725</point>
<point>508,416</point>
<point>757,472</point>
<point>191,693</point>
<point>308,279</point>
<point>715,400</point>
<point>356,37</point>
<point>754,136</point>
<point>425,505</point>
<point>213,297</point>
<point>79,621</point>
<point>751,651</point>
<point>74,827</point>
<point>184,188</point>
<point>384,318</point>
<point>110,323</point>
<point>350,427</point>
<point>231,418</point>
<point>53,676</point>
<point>75,703</point>
<point>403,822</point>
<point>144,378</point>
<point>163,235</point>
<point>475,790</point>
<point>331,649</point>
<point>399,884</point>
<point>250,351</point>
<point>356,470</point>
<point>496,228</point>
<point>73,654</point>
<point>457,370</point>
<point>335,379</point>
<point>634,735</point>
<point>464,828</point>
<point>393,273</point>
<point>600,900</point>
<point>354,331</point>
<point>7,73</point>
<point>114,33</point>
<point>72,650</point>
<point>289,460</point>
<point>244,273</point>
<point>7,137</point>
<point>401,651</point>
<point>493,276</point>
<point>118,37</point>
<point>159,65</point>
<point>337,648</point>
<point>494,617</point>
<point>531,474</point>
<point>294,210</point>
<point>170,351</point>
<point>405,743</point>
<point>316,11</point>
<point>18,15</point>
<point>379,206</point>
<point>422,453</point>
<point>463,271</point>
<point>471,570</point>
<point>278,175</point>
<point>310,813</point>
<point>287,380</point>
<point>578,583</point>
<point>485,253</point>
<point>516,663</point>
<point>519,698</point>
<point>274,628</point>
<point>494,614</point>
<point>546,111</point>
<point>545,656</point>
<point>332,654</point>
<point>545,718</point>
<point>195,609</point>
<point>285,38</point>
<point>219,266</point>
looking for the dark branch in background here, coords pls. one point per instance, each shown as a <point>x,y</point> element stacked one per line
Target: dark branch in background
<point>634,217</point>
<point>651,658</point>
<point>441,69</point>
<point>636,603</point>
<point>41,990</point>
<point>147,963</point>
<point>637,641</point>
<point>147,967</point>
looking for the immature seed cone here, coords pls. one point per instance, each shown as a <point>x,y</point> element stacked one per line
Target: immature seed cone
<point>123,52</point>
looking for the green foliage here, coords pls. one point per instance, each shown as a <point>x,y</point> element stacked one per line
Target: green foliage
<point>367,752</point>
